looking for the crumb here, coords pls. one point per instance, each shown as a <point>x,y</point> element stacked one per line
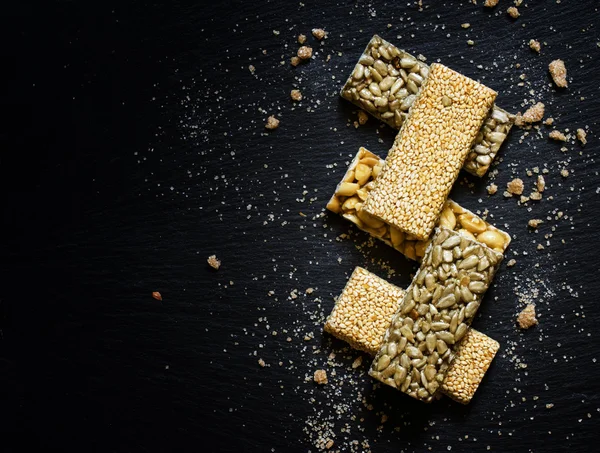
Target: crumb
<point>157,295</point>
<point>534,223</point>
<point>511,263</point>
<point>526,318</point>
<point>557,135</point>
<point>540,183</point>
<point>513,12</point>
<point>549,406</point>
<point>549,121</point>
<point>581,136</point>
<point>261,362</point>
<point>272,123</point>
<point>533,114</point>
<point>301,39</point>
<point>329,444</point>
<point>535,45</point>
<point>320,377</point>
<point>252,69</point>
<point>362,117</point>
<point>564,172</point>
<point>214,262</point>
<point>558,71</point>
<point>490,3</point>
<point>492,189</point>
<point>540,247</point>
<point>515,186</point>
<point>304,52</point>
<point>319,33</point>
<point>309,290</point>
<point>296,95</point>
<point>357,362</point>
<point>471,42</point>
<point>523,199</point>
<point>536,196</point>
<point>507,194</point>
<point>294,61</point>
<point>466,25</point>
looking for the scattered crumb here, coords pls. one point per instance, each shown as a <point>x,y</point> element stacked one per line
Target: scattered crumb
<point>535,45</point>
<point>261,362</point>
<point>534,223</point>
<point>536,196</point>
<point>513,12</point>
<point>294,61</point>
<point>490,3</point>
<point>515,186</point>
<point>157,295</point>
<point>309,290</point>
<point>296,95</point>
<point>252,69</point>
<point>214,262</point>
<point>301,39</point>
<point>533,114</point>
<point>471,42</point>
<point>329,444</point>
<point>319,33</point>
<point>564,172</point>
<point>558,71</point>
<point>511,263</point>
<point>540,183</point>
<point>362,117</point>
<point>526,318</point>
<point>320,377</point>
<point>357,362</point>
<point>272,123</point>
<point>557,135</point>
<point>492,189</point>
<point>305,52</point>
<point>549,406</point>
<point>581,136</point>
<point>465,25</point>
<point>549,121</point>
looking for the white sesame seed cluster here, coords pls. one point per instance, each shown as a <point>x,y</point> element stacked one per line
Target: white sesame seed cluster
<point>429,152</point>
<point>364,310</point>
<point>354,188</point>
<point>472,360</point>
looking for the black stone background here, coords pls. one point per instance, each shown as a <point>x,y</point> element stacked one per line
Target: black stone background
<point>118,179</point>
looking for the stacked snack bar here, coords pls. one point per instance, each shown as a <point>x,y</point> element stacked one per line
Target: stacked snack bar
<point>387,80</point>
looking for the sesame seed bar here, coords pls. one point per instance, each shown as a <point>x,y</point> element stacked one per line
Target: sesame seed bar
<point>363,311</point>
<point>471,361</point>
<point>386,81</point>
<point>359,180</point>
<point>366,294</point>
<point>435,314</point>
<point>429,151</point>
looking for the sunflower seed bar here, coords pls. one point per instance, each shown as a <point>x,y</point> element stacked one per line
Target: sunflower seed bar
<point>386,81</point>
<point>471,361</point>
<point>359,180</point>
<point>435,314</point>
<point>357,305</point>
<point>429,151</point>
<point>363,311</point>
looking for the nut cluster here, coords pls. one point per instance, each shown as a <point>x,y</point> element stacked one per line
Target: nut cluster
<point>368,90</point>
<point>354,188</point>
<point>435,314</point>
<point>471,361</point>
<point>363,311</point>
<point>429,151</point>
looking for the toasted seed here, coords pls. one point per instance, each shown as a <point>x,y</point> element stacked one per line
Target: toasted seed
<point>406,384</point>
<point>484,263</point>
<point>446,337</point>
<point>469,262</point>
<point>496,137</point>
<point>414,353</point>
<point>471,309</point>
<point>451,242</point>
<point>366,60</point>
<point>484,160</point>
<point>387,83</point>
<point>359,72</point>
<point>460,332</point>
<point>415,78</point>
<point>383,362</point>
<point>441,346</point>
<point>400,375</point>
<point>436,256</point>
<point>437,326</point>
<point>478,287</point>
<point>465,294</point>
<point>405,361</point>
<point>446,301</point>
<point>446,101</point>
<point>407,102</point>
<point>407,333</point>
<point>499,115</point>
<point>374,88</point>
<point>412,87</point>
<point>347,189</point>
<point>381,67</point>
<point>407,62</point>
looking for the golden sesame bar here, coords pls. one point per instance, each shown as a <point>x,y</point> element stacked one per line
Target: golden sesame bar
<point>386,81</point>
<point>359,179</point>
<point>471,361</point>
<point>429,151</point>
<point>435,314</point>
<point>362,312</point>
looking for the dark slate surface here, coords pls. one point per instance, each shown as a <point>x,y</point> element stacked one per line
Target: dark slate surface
<point>133,147</point>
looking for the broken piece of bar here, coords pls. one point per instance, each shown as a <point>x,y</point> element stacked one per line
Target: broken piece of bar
<point>386,81</point>
<point>429,151</point>
<point>359,180</point>
<point>473,357</point>
<point>363,311</point>
<point>367,297</point>
<point>435,314</point>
